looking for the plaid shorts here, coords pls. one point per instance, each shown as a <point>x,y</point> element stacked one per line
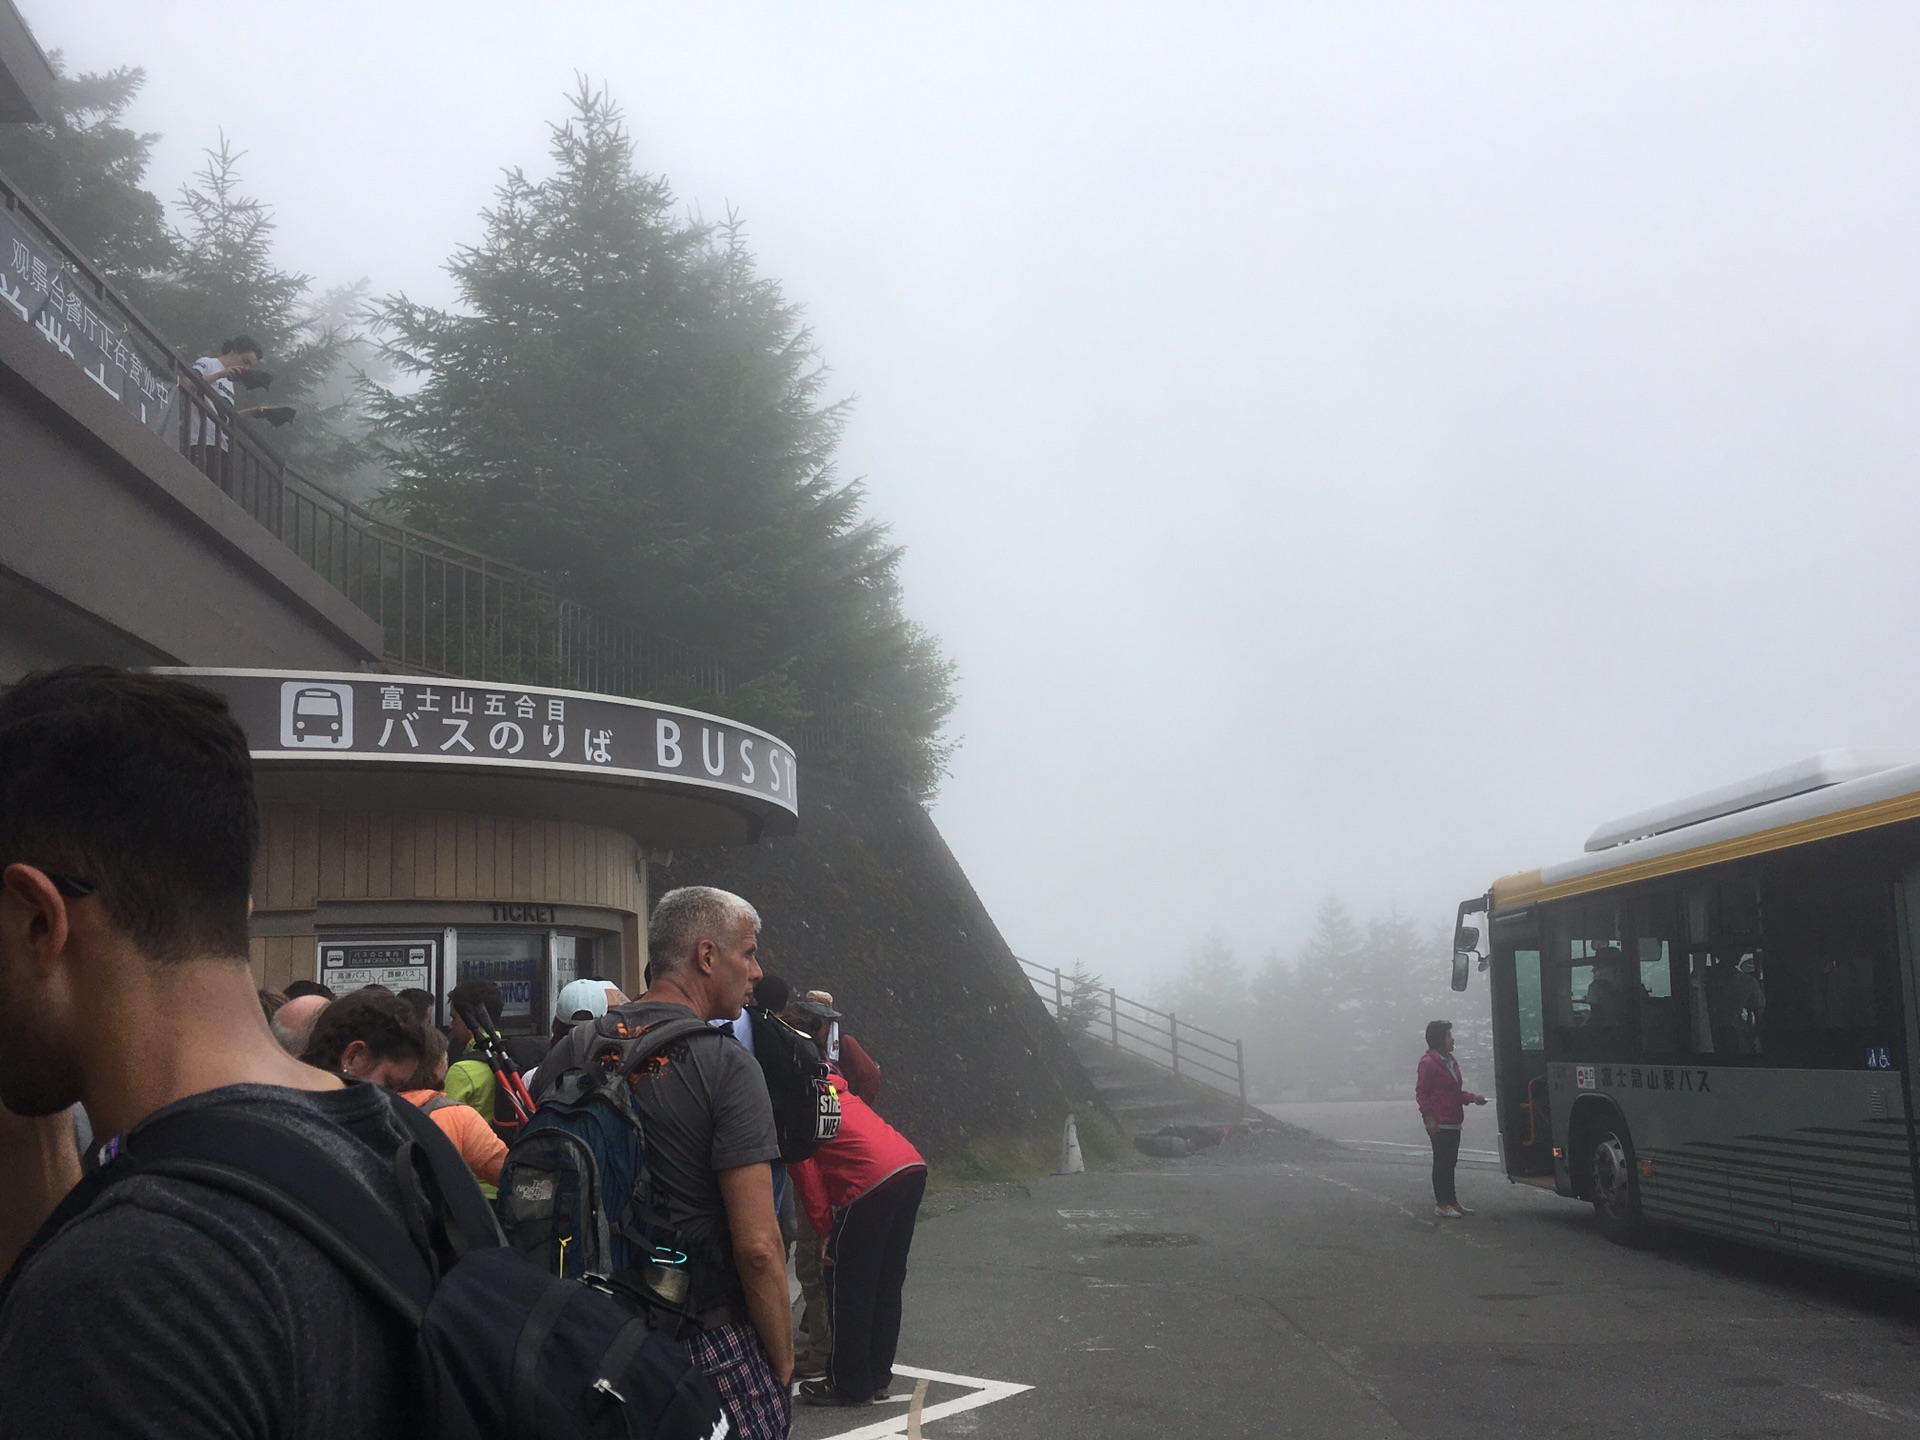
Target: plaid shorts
<point>732,1356</point>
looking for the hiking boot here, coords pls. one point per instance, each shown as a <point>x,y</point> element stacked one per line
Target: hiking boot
<point>820,1392</point>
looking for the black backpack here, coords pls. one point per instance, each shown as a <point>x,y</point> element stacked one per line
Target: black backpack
<point>806,1107</point>
<point>504,1349</point>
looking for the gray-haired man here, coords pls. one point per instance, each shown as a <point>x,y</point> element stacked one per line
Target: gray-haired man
<point>710,1144</point>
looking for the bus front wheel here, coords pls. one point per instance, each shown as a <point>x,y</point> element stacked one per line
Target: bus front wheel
<point>1616,1186</point>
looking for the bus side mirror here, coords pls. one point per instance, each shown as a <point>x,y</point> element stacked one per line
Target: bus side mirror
<point>1461,960</point>
<point>1466,938</point>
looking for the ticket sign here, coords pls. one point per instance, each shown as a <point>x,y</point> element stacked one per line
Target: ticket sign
<point>349,965</point>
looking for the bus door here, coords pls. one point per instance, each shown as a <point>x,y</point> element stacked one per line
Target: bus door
<point>1520,1046</point>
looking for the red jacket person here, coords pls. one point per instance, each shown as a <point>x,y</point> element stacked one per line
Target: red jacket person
<point>861,1190</point>
<point>1443,1101</point>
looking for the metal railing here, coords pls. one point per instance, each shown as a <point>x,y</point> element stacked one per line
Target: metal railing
<point>443,609</point>
<point>1157,1036</point>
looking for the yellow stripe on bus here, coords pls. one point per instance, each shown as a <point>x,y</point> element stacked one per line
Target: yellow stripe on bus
<point>1527,888</point>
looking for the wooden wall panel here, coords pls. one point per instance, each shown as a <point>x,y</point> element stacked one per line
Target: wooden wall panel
<point>466,857</point>
<point>308,855</point>
<point>353,874</point>
<point>400,883</point>
<point>522,860</point>
<point>306,858</point>
<point>278,959</point>
<point>333,854</point>
<point>379,855</point>
<point>503,859</point>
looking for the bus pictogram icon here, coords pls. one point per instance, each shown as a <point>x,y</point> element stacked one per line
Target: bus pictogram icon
<point>315,715</point>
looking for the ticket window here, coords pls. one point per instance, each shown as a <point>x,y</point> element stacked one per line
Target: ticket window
<point>512,960</point>
<point>531,967</point>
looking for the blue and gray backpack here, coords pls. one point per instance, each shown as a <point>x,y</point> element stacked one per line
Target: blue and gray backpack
<point>577,1196</point>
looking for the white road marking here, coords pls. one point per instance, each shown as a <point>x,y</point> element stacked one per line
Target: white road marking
<point>985,1392</point>
<point>1101,1214</point>
<point>1868,1405</point>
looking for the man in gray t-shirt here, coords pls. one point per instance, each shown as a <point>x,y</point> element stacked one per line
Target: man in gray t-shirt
<point>706,1110</point>
<point>710,1143</point>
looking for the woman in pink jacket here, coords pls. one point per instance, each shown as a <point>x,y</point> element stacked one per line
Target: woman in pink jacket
<point>1443,1104</point>
<point>861,1191</point>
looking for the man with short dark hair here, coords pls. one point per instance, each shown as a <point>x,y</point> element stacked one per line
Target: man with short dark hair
<point>128,830</point>
<point>421,1002</point>
<point>206,423</point>
<point>710,1144</point>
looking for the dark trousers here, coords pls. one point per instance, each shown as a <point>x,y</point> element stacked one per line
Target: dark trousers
<point>1446,1154</point>
<point>868,1270</point>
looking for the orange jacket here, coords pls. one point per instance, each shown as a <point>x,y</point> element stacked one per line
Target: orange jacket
<point>470,1133</point>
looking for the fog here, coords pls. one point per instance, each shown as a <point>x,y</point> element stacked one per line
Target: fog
<point>1350,448</point>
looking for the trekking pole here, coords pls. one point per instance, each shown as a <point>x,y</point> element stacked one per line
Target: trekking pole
<point>493,1049</point>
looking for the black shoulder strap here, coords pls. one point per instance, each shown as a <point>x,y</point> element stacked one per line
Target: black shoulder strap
<point>270,1166</point>
<point>300,1183</point>
<point>658,1037</point>
<point>457,1194</point>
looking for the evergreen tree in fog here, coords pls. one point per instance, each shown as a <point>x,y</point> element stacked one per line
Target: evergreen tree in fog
<point>625,402</point>
<point>196,285</point>
<point>1348,1012</point>
<point>1209,990</point>
<point>84,169</point>
<point>222,280</point>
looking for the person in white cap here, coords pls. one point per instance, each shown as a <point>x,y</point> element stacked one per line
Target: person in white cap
<point>581,1000</point>
<point>578,1000</point>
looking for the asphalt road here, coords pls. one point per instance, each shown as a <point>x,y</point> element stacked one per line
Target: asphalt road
<point>1302,1288</point>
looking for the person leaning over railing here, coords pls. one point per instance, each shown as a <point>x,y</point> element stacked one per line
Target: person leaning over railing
<point>216,375</point>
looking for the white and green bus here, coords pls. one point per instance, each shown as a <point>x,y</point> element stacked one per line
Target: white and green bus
<point>1710,1017</point>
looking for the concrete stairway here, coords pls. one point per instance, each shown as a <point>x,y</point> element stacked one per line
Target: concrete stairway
<point>1143,1096</point>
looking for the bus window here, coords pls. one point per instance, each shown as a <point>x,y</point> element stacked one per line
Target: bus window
<point>1726,968</point>
<point>1589,999</point>
<point>1653,923</point>
<point>1830,954</point>
<point>1533,1022</point>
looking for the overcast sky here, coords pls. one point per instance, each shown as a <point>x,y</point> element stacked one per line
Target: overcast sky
<point>1344,447</point>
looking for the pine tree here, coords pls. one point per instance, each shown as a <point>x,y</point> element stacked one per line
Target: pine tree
<point>1323,1031</point>
<point>1209,990</point>
<point>623,401</point>
<point>223,281</point>
<point>83,169</point>
<point>1085,999</point>
<point>1392,1019</point>
<point>1271,1059</point>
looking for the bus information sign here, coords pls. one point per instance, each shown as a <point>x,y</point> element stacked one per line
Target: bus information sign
<point>349,965</point>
